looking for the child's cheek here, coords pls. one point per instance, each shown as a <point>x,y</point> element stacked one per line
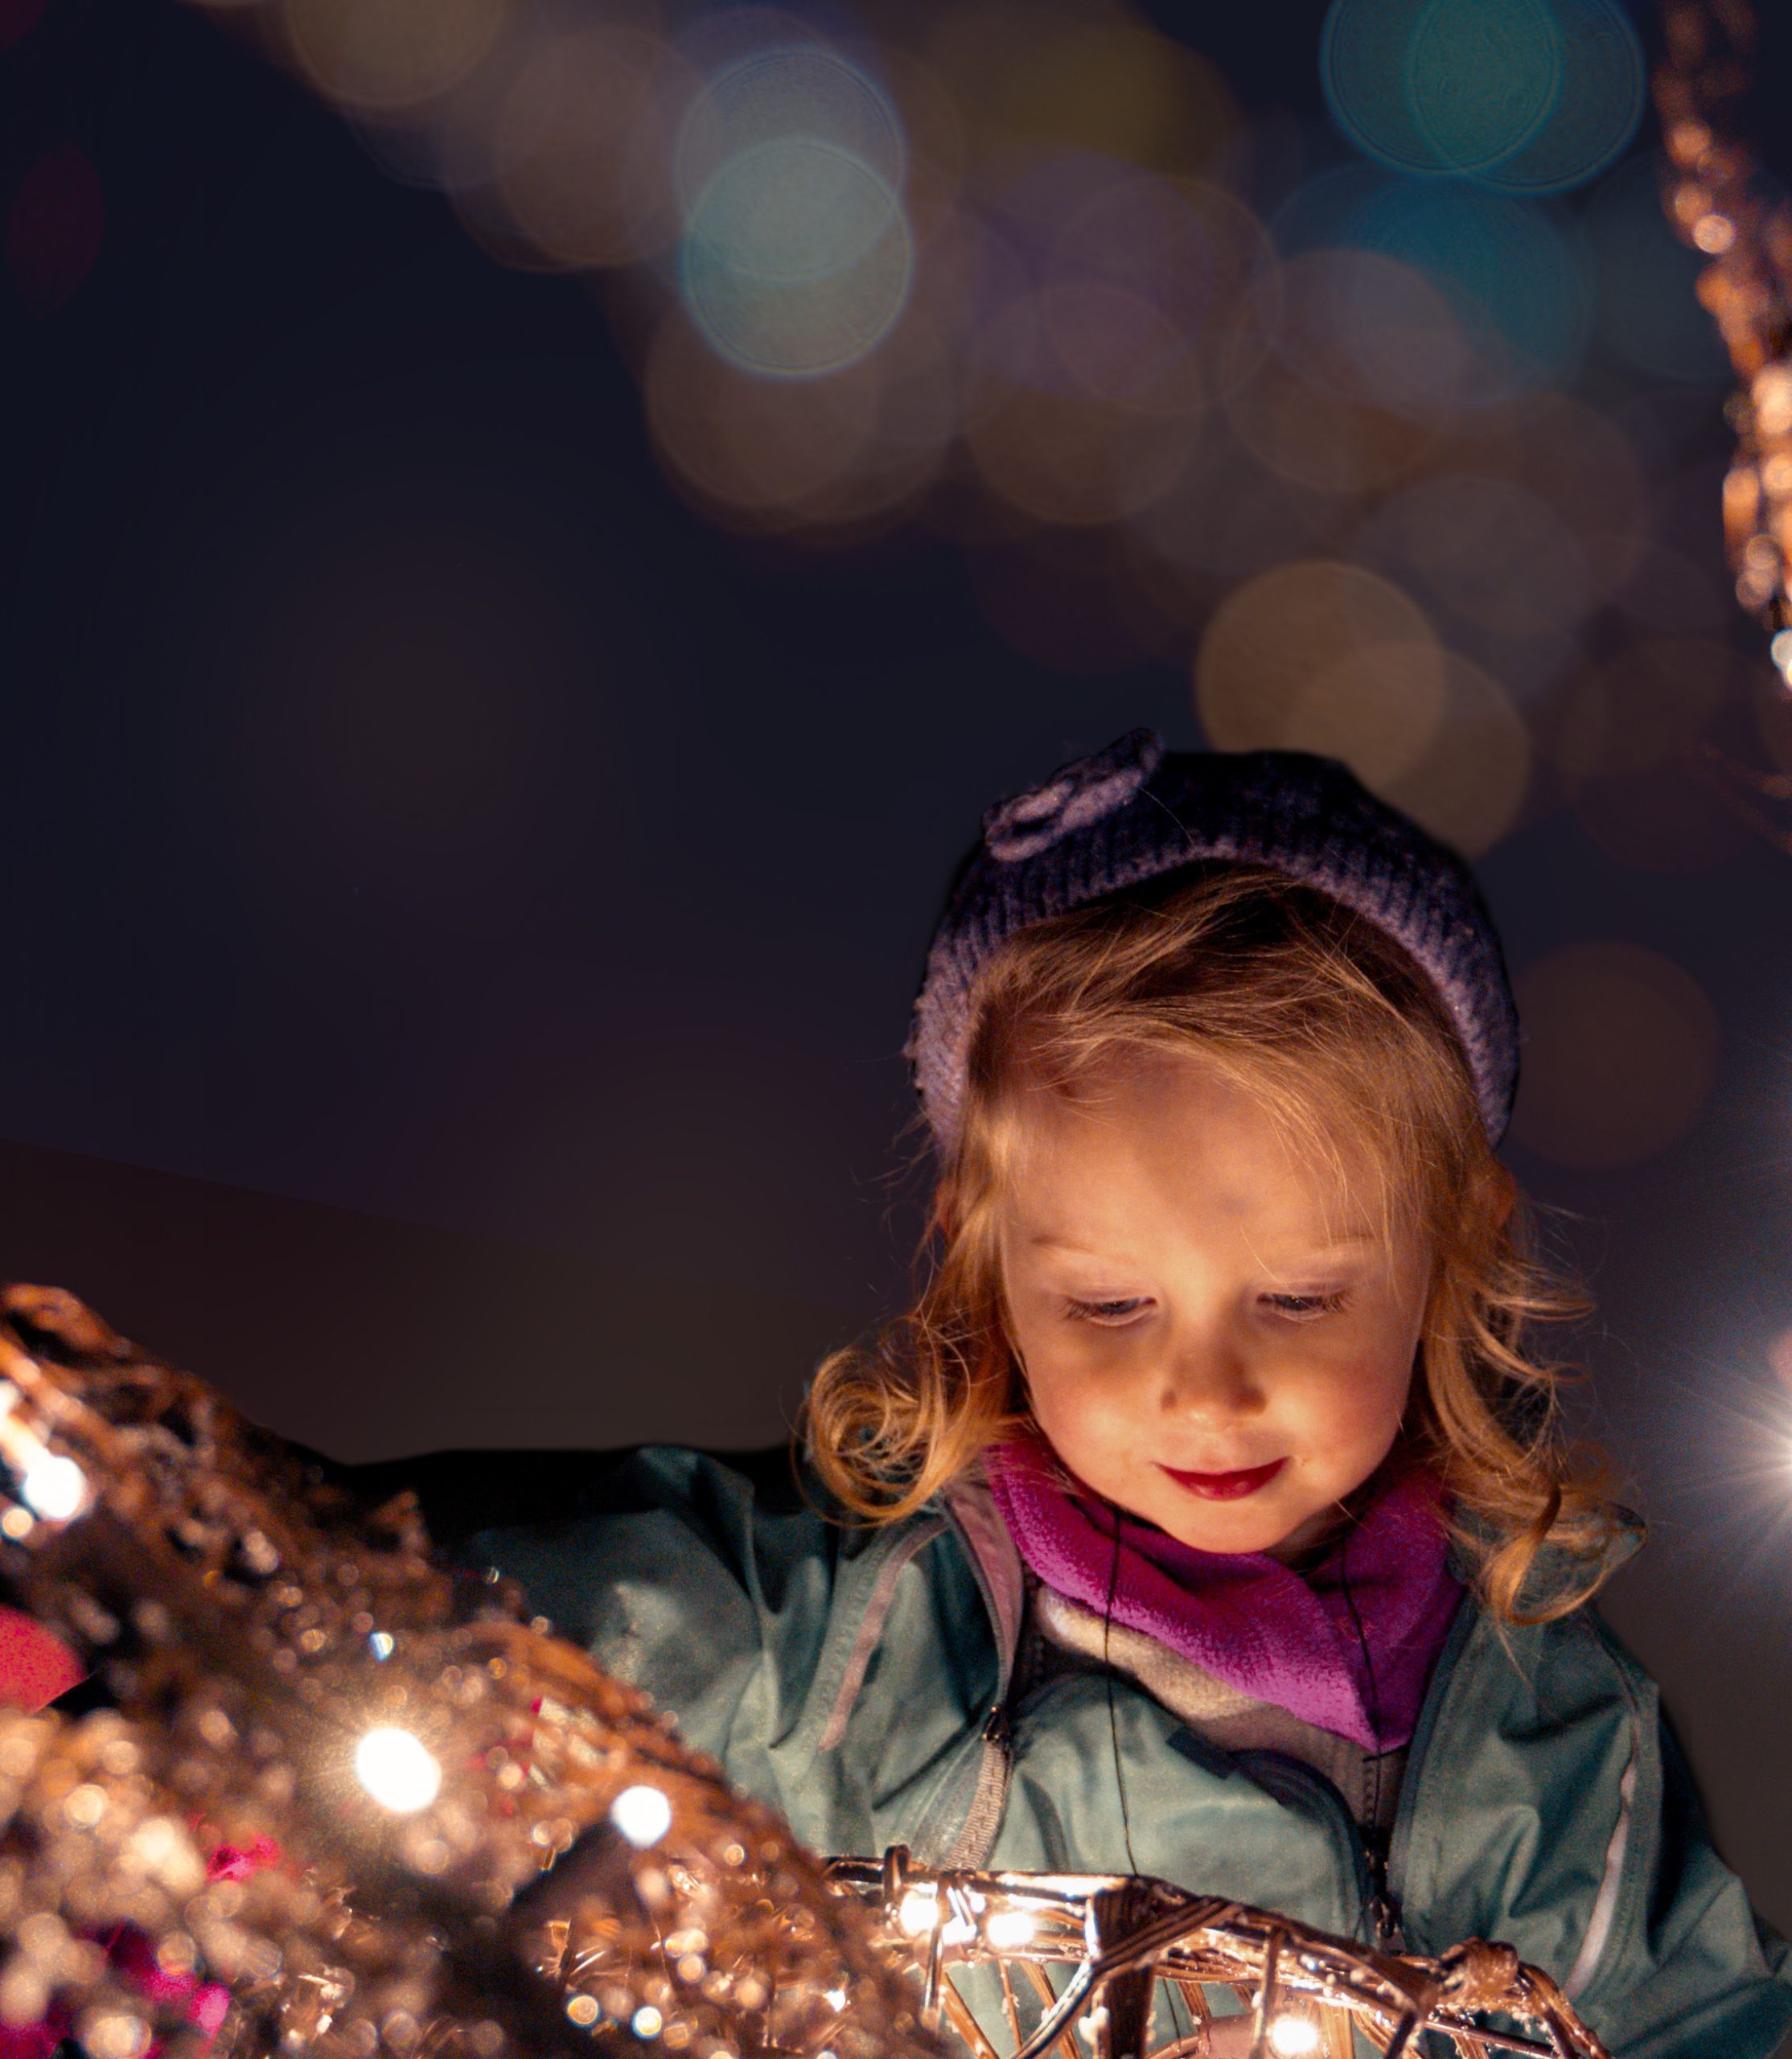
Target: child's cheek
<point>1359,1397</point>
<point>1082,1406</point>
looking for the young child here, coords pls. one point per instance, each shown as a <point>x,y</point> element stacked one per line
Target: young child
<point>1206,1516</point>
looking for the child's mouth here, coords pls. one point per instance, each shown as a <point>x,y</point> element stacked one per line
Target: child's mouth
<point>1226,1487</point>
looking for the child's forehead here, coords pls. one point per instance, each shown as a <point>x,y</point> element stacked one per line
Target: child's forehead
<point>1165,1137</point>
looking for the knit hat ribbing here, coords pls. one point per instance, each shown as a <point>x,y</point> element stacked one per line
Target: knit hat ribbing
<point>1135,811</point>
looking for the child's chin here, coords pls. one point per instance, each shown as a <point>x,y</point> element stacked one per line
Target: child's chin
<point>1232,1526</point>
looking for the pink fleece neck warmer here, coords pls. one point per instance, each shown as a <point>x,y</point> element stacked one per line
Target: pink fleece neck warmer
<point>1243,1617</point>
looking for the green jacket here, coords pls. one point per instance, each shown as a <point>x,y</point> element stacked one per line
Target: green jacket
<point>860,1681</point>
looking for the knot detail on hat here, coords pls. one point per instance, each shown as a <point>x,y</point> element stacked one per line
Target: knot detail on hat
<point>1073,798</point>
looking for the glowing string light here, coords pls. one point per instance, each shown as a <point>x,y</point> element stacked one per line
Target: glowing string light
<point>642,1814</point>
<point>920,1912</point>
<point>396,1771</point>
<point>1009,1927</point>
<point>55,1487</point>
<point>1291,2036</point>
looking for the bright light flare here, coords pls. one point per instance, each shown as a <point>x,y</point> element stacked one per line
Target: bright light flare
<point>1291,2035</point>
<point>56,1488</point>
<point>396,1771</point>
<point>643,1815</point>
<point>1009,1928</point>
<point>918,1912</point>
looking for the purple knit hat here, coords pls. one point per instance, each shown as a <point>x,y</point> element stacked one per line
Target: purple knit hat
<point>1135,811</point>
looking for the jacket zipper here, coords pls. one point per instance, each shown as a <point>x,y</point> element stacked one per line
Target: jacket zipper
<point>1400,1838</point>
<point>1381,1909</point>
<point>989,1798</point>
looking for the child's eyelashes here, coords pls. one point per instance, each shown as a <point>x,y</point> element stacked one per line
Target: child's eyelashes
<point>1127,1309</point>
<point>1305,1307</point>
<point>1110,1315</point>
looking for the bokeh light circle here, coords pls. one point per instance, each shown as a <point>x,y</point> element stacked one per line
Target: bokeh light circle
<point>1482,78</point>
<point>1489,550</point>
<point>1273,636</point>
<point>796,258</point>
<point>1505,265</point>
<point>1057,77</point>
<point>1187,249</point>
<point>766,449</point>
<point>1621,1054</point>
<point>1374,329</point>
<point>1439,85</point>
<point>797,255</point>
<point>1603,88</point>
<point>1581,462</point>
<point>1226,519</point>
<point>1639,708</point>
<point>1318,437</point>
<point>788,90</point>
<point>1076,459</point>
<point>1626,736</point>
<point>567,136</point>
<point>1470,785</point>
<point>385,56</point>
<point>1531,96</point>
<point>1379,711</point>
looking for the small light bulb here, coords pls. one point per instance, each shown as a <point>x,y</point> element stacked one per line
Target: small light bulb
<point>396,1771</point>
<point>646,2022</point>
<point>1291,2036</point>
<point>920,1912</point>
<point>835,1997</point>
<point>379,1644</point>
<point>1009,1927</point>
<point>56,1487</point>
<point>1780,651</point>
<point>642,1814</point>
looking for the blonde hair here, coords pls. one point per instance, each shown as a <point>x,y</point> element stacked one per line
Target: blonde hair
<point>1339,1036</point>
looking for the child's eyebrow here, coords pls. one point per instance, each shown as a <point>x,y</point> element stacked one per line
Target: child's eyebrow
<point>1349,1240</point>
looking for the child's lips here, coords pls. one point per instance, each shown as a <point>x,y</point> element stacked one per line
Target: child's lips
<point>1226,1487</point>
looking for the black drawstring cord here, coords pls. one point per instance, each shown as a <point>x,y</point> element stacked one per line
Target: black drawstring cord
<point>1107,1672</point>
<point>1381,1911</point>
<point>1169,1992</point>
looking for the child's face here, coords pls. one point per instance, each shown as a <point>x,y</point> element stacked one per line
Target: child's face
<point>1213,1337</point>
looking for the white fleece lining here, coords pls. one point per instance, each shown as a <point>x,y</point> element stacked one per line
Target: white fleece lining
<point>1605,1907</point>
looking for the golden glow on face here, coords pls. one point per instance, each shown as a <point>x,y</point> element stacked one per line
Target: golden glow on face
<point>1186,1291</point>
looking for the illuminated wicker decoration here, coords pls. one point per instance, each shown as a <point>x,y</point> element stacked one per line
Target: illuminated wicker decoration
<point>1718,202</point>
<point>279,1661</point>
<point>1133,1943</point>
<point>350,1803</point>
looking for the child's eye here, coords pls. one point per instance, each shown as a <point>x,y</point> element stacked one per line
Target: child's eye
<point>1304,1308</point>
<point>1111,1313</point>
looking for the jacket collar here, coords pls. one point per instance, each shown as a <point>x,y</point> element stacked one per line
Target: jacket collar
<point>971,1509</point>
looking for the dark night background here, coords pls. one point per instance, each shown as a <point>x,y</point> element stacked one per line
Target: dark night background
<point>461,906</point>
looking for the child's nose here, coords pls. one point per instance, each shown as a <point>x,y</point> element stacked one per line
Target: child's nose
<point>1210,1376</point>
